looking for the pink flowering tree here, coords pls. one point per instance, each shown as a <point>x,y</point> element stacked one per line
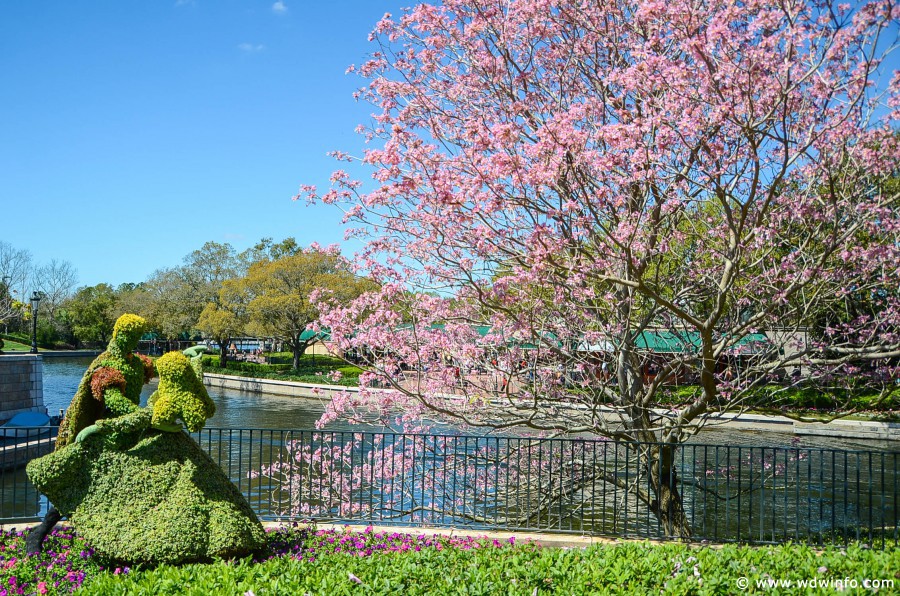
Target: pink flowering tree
<point>565,189</point>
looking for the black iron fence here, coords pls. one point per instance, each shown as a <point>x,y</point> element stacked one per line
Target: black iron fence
<point>584,486</point>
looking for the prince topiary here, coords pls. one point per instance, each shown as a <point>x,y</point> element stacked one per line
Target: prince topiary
<point>180,395</point>
<point>110,387</point>
<point>112,384</point>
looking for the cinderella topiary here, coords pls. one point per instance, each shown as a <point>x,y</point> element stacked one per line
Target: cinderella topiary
<point>140,490</point>
<point>180,395</point>
<point>112,384</point>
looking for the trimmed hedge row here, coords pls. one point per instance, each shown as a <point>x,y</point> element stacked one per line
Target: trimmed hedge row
<point>311,370</point>
<point>211,364</point>
<point>799,398</point>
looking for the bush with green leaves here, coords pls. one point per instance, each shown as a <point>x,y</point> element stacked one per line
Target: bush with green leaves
<point>313,369</point>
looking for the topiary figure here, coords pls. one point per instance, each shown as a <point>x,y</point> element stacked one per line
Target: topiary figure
<point>180,395</point>
<point>141,491</point>
<point>111,386</point>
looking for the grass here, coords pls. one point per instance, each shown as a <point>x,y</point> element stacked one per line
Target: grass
<point>10,346</point>
<point>303,560</point>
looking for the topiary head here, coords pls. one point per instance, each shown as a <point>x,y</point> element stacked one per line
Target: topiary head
<point>128,331</point>
<point>173,366</point>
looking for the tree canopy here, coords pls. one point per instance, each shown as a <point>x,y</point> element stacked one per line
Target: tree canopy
<point>576,175</point>
<point>281,290</point>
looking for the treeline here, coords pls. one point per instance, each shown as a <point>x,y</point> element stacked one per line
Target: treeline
<point>216,293</point>
<point>20,276</point>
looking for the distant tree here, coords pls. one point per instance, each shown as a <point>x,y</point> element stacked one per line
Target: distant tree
<point>280,291</point>
<point>15,269</point>
<point>226,317</point>
<point>91,312</point>
<point>56,281</point>
<point>10,306</point>
<point>269,250</point>
<point>166,302</point>
<point>173,299</point>
<point>204,270</point>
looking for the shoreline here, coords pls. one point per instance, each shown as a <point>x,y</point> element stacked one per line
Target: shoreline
<point>846,429</point>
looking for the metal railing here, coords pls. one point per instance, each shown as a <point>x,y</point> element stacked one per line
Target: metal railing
<point>583,486</point>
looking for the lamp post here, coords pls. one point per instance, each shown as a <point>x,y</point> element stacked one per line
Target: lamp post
<point>35,302</point>
<point>7,303</point>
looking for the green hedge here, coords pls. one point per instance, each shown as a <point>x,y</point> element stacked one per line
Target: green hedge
<point>798,398</point>
<point>210,363</point>
<point>630,568</point>
<point>312,370</point>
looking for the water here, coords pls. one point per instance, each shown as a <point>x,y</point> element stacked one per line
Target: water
<point>234,409</point>
<point>238,409</point>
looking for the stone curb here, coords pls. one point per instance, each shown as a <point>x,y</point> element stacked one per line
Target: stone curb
<point>547,539</point>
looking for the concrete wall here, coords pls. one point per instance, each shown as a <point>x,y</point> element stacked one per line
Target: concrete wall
<point>273,387</point>
<point>21,384</point>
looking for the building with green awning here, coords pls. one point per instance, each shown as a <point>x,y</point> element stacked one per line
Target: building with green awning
<point>684,342</point>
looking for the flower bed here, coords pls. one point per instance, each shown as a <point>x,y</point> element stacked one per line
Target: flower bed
<point>306,560</point>
<point>63,566</point>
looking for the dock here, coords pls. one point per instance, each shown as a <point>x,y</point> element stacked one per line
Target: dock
<point>39,442</point>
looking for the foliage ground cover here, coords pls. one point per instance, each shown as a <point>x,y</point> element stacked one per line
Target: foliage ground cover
<point>312,369</point>
<point>305,560</point>
<point>14,344</point>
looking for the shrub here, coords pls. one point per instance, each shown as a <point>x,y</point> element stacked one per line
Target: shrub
<point>799,398</point>
<point>308,372</point>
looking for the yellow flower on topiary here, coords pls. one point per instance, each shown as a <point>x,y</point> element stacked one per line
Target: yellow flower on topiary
<point>180,395</point>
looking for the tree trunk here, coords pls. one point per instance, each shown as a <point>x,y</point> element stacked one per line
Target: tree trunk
<point>223,354</point>
<point>668,504</point>
<point>297,349</point>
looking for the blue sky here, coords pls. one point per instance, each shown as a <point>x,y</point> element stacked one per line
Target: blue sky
<point>133,132</point>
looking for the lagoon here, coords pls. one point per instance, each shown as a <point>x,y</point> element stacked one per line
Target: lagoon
<point>241,409</point>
